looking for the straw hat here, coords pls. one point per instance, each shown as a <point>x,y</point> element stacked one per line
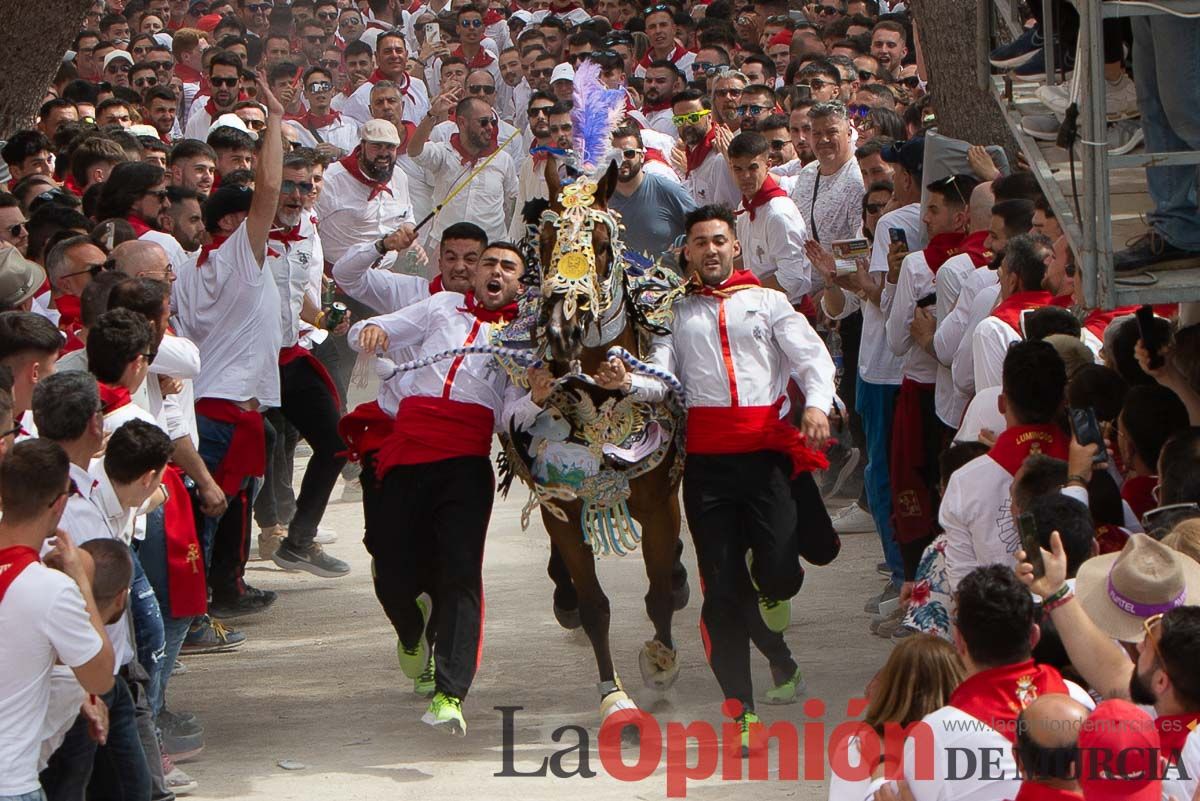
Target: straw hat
<point>1185,538</point>
<point>1120,590</point>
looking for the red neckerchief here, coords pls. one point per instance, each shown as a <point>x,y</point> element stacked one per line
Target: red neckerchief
<point>1011,309</point>
<point>287,235</point>
<point>113,397</point>
<point>70,322</point>
<point>769,190</point>
<point>676,54</point>
<point>1035,791</point>
<point>662,105</point>
<point>217,241</point>
<point>1138,492</point>
<point>140,226</point>
<point>377,76</point>
<point>310,120</point>
<point>72,187</point>
<point>481,59</point>
<point>467,158</point>
<point>943,246</point>
<point>1173,731</point>
<point>1015,444</point>
<point>435,286</point>
<point>187,74</point>
<point>352,166</point>
<point>491,17</point>
<point>485,315</point>
<point>998,695</point>
<point>696,155</point>
<point>13,561</point>
<point>417,5</point>
<point>740,278</point>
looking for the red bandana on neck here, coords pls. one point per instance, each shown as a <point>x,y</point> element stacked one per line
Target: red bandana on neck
<point>1138,492</point>
<point>352,166</point>
<point>435,286</point>
<point>1015,305</point>
<point>310,120</point>
<point>287,235</point>
<point>140,226</point>
<point>998,695</point>
<point>943,246</point>
<point>1173,731</point>
<point>696,155</point>
<point>13,561</point>
<point>1014,445</point>
<point>676,54</point>
<point>740,278</point>
<point>217,241</point>
<point>662,105</point>
<point>769,190</point>
<point>72,187</point>
<point>403,84</point>
<point>481,59</point>
<point>485,315</point>
<point>113,397</point>
<point>188,74</point>
<point>456,143</point>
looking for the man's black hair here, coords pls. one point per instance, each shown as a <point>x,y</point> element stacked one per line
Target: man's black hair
<point>465,230</point>
<point>1039,475</point>
<point>1120,346</point>
<point>228,138</point>
<point>994,616</point>
<point>763,61</point>
<point>957,455</point>
<point>117,339</point>
<point>688,95</point>
<point>1179,650</point>
<point>24,144</point>
<point>748,144</point>
<point>49,219</point>
<point>128,182</point>
<point>1049,320</point>
<point>1100,388</point>
<point>224,58</point>
<point>1179,473</point>
<point>33,476</point>
<point>1034,379</point>
<point>1071,519</point>
<point>358,48</point>
<point>113,571</point>
<point>24,333</point>
<point>142,295</point>
<point>190,149</point>
<point>134,449</point>
<point>710,212</point>
<point>1152,413</point>
<point>1016,185</point>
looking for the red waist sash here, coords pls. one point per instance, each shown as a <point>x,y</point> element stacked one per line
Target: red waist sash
<point>365,429</point>
<point>745,429</point>
<point>434,429</point>
<point>247,454</point>
<point>185,563</point>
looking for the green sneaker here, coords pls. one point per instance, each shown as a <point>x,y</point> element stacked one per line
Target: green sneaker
<point>424,685</point>
<point>786,692</point>
<point>445,712</point>
<point>776,614</point>
<point>413,660</point>
<point>744,721</point>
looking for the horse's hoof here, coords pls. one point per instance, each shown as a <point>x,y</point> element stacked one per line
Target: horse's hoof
<point>659,665</point>
<point>618,701</point>
<point>681,596</point>
<point>567,618</point>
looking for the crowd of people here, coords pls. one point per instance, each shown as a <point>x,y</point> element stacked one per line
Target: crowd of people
<point>224,206</point>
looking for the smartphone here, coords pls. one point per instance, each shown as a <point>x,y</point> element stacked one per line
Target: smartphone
<point>1031,544</point>
<point>928,300</point>
<point>433,33</point>
<point>1087,431</point>
<point>898,236</point>
<point>1149,334</point>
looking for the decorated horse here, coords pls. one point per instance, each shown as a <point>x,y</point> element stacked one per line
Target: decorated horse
<point>603,468</point>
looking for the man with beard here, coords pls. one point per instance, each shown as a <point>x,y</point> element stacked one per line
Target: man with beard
<point>531,178</point>
<point>193,165</point>
<point>224,74</point>
<point>513,91</point>
<point>436,475</point>
<point>320,126</point>
<point>706,173</point>
<point>727,88</point>
<point>652,207</point>
<point>489,198</point>
<point>481,85</point>
<point>387,103</point>
<point>391,56</point>
<point>308,400</point>
<point>663,80</point>
<point>137,192</point>
<point>187,221</point>
<point>782,156</point>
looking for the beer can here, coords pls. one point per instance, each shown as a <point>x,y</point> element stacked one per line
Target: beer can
<point>336,314</point>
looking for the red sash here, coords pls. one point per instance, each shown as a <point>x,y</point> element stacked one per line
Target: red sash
<point>1173,731</point>
<point>290,354</point>
<point>13,561</point>
<point>746,429</point>
<point>434,429</point>
<point>998,695</point>
<point>350,162</point>
<point>943,246</point>
<point>185,563</point>
<point>765,194</point>
<point>365,429</point>
<point>1014,445</point>
<point>1138,492</point>
<point>69,322</point>
<point>913,513</point>
<point>696,155</point>
<point>113,397</point>
<point>1012,307</point>
<point>247,453</point>
<point>480,60</point>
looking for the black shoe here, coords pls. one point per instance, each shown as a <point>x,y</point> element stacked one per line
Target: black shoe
<point>1148,251</point>
<point>182,725</point>
<point>312,559</point>
<point>252,601</point>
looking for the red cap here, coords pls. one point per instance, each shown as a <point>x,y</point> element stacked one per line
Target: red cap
<point>1119,753</point>
<point>209,22</point>
<point>783,37</point>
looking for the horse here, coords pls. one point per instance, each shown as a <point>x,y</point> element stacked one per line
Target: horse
<point>586,309</point>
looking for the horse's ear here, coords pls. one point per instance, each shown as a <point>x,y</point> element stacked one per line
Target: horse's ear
<point>608,184</point>
<point>553,183</point>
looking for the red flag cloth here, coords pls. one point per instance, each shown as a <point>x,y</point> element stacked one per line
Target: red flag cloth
<point>434,429</point>
<point>696,155</point>
<point>247,453</point>
<point>1014,445</point>
<point>291,354</point>
<point>365,429</point>
<point>13,561</point>
<point>998,695</point>
<point>912,498</point>
<point>769,190</point>
<point>351,164</point>
<point>186,585</point>
<point>746,429</point>
<point>1011,308</point>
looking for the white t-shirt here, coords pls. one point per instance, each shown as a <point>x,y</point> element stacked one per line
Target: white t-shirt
<point>42,619</point>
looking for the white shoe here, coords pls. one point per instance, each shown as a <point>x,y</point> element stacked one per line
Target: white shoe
<point>853,520</point>
<point>1120,99</point>
<point>1124,136</point>
<point>325,536</point>
<point>1055,97</point>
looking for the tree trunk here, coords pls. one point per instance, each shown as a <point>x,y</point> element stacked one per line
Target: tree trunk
<point>951,35</point>
<point>34,36</point>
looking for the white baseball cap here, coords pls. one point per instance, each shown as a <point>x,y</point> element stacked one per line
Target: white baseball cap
<point>231,121</point>
<point>380,132</point>
<point>563,72</point>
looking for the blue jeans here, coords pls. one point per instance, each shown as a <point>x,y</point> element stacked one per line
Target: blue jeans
<point>147,618</point>
<point>876,404</point>
<point>36,795</point>
<point>153,557</point>
<point>120,771</point>
<point>1166,70</point>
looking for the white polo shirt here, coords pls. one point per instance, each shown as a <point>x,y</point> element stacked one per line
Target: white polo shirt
<point>773,244</point>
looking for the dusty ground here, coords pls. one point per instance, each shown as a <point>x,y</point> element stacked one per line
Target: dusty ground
<point>317,681</point>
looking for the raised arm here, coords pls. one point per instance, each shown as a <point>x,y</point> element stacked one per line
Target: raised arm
<point>439,110</point>
<point>267,176</point>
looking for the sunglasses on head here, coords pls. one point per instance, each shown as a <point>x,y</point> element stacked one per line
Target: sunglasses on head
<point>470,23</point>
<point>287,187</point>
<point>691,118</point>
<point>227,82</point>
<point>320,86</point>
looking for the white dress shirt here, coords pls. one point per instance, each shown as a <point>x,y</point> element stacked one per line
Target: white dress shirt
<point>989,346</point>
<point>773,244</point>
<point>347,215</point>
<point>977,299</point>
<point>515,148</point>
<point>291,268</point>
<point>342,132</point>
<point>914,282</point>
<point>951,278</point>
<point>416,101</point>
<point>712,182</point>
<point>486,201</point>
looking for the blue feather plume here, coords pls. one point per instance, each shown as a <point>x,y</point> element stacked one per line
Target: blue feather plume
<point>597,112</point>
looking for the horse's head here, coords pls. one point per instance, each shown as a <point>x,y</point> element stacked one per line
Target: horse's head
<point>579,246</point>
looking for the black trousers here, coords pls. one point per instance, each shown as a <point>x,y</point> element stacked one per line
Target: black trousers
<point>437,516</point>
<point>307,404</point>
<point>737,503</point>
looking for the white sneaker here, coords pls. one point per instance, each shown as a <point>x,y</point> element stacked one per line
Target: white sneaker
<point>325,536</point>
<point>1120,99</point>
<point>1043,127</point>
<point>853,520</point>
<point>351,491</point>
<point>1055,97</point>
<point>1124,136</point>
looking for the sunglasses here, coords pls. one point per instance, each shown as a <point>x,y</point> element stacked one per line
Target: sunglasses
<point>828,11</point>
<point>486,122</point>
<point>15,230</point>
<point>912,81</point>
<point>481,89</point>
<point>163,66</point>
<point>148,81</point>
<point>160,194</point>
<point>1150,625</point>
<point>314,39</point>
<point>816,83</point>
<point>706,68</point>
<point>470,23</point>
<point>349,21</point>
<point>540,111</point>
<point>256,125</point>
<point>328,64</point>
<point>93,269</point>
<point>320,86</point>
<point>779,144</point>
<point>875,208</point>
<point>630,154</point>
<point>863,75</point>
<point>858,111</point>
<point>330,15</point>
<point>226,82</point>
<point>729,91</point>
<point>752,110</point>
<point>778,19</point>
<point>303,187</point>
<point>691,118</point>
<point>546,73</point>
<point>118,66</point>
<point>258,8</point>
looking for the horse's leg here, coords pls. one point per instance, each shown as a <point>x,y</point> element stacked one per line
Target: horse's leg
<point>567,538</point>
<point>660,541</point>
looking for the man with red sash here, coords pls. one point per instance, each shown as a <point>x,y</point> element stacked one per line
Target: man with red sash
<point>918,431</point>
<point>308,398</point>
<point>391,55</point>
<point>319,124</point>
<point>975,511</point>
<point>229,307</point>
<point>734,345</point>
<point>1020,276</point>
<point>436,476</point>
<point>994,635</point>
<point>46,615</point>
<point>705,171</point>
<point>661,28</point>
